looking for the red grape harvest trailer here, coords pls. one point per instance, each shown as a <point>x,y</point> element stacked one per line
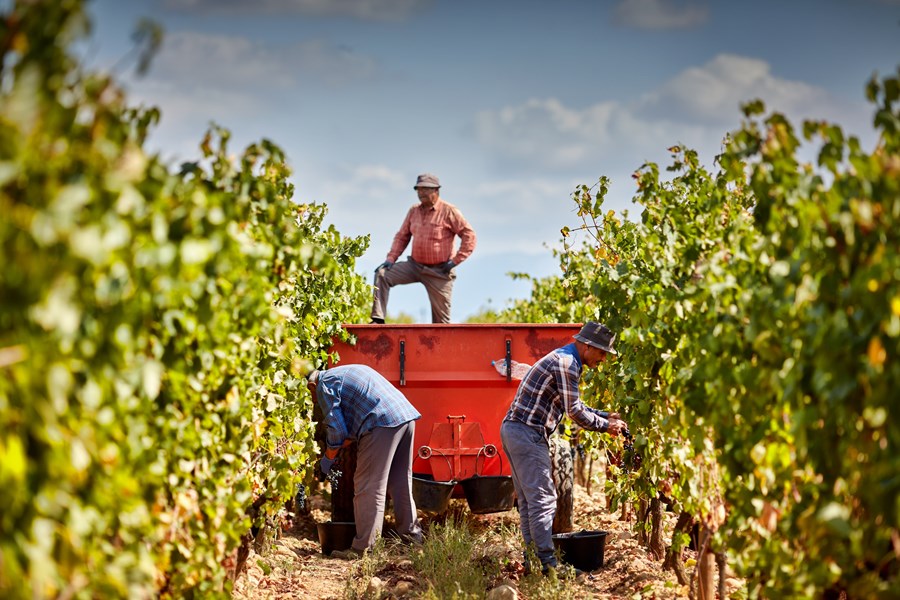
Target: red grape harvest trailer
<point>446,372</point>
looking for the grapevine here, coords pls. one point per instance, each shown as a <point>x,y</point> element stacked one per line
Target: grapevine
<point>155,329</point>
<point>758,308</point>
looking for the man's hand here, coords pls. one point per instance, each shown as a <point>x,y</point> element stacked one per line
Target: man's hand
<point>616,425</point>
<point>385,265</point>
<point>447,266</point>
<point>325,465</point>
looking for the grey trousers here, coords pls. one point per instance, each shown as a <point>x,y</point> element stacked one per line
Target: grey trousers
<point>438,284</point>
<point>528,452</point>
<point>384,465</point>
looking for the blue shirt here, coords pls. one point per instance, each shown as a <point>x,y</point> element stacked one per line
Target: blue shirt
<point>355,399</point>
<point>550,389</point>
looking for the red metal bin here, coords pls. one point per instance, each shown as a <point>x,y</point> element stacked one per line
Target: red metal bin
<point>446,372</point>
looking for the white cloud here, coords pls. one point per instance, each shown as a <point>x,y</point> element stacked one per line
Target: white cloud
<point>364,183</point>
<point>661,14</point>
<point>199,60</point>
<point>547,135</point>
<point>187,112</point>
<point>715,91</point>
<point>193,59</point>
<point>512,215</point>
<point>364,199</point>
<point>368,10</point>
<point>525,132</point>
<point>515,197</point>
<point>199,78</point>
<point>697,108</point>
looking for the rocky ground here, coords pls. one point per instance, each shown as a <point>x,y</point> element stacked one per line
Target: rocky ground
<point>296,567</point>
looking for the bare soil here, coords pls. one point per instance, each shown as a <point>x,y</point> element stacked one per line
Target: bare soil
<point>296,568</point>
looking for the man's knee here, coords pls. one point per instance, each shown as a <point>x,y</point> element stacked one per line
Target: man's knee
<point>381,281</point>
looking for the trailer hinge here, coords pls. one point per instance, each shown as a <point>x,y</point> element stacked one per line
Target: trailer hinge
<point>402,362</point>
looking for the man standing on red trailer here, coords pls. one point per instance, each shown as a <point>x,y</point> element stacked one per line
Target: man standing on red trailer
<point>432,225</point>
<point>549,390</point>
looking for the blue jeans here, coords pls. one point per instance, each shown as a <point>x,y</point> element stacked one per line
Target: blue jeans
<point>528,452</point>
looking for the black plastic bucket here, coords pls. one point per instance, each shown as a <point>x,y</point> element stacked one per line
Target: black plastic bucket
<point>432,496</point>
<point>336,535</point>
<point>489,493</point>
<point>581,549</point>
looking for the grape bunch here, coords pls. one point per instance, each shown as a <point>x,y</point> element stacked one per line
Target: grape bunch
<point>334,475</point>
<point>300,498</point>
<point>631,460</point>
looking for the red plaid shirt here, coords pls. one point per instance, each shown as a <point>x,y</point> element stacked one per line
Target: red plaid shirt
<point>432,231</point>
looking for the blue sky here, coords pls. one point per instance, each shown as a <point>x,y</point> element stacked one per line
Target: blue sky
<point>512,103</point>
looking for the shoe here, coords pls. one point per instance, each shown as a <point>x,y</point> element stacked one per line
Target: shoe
<point>376,322</point>
<point>350,554</point>
<point>407,541</point>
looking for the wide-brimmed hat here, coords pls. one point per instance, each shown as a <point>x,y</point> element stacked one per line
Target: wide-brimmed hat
<point>597,335</point>
<point>427,180</point>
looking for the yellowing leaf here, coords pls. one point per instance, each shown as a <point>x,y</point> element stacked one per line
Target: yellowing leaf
<point>12,459</point>
<point>877,353</point>
<point>758,453</point>
<point>769,517</point>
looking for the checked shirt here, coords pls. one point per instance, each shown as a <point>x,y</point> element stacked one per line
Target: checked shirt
<point>356,399</point>
<point>550,389</point>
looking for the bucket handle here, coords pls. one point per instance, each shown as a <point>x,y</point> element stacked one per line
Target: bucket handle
<point>489,450</point>
<point>425,452</point>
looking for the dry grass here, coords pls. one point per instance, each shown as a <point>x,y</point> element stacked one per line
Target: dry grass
<point>464,556</point>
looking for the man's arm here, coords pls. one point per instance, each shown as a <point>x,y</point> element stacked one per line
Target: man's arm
<point>570,394</point>
<point>401,238</point>
<point>332,453</point>
<point>336,432</point>
<point>467,238</point>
